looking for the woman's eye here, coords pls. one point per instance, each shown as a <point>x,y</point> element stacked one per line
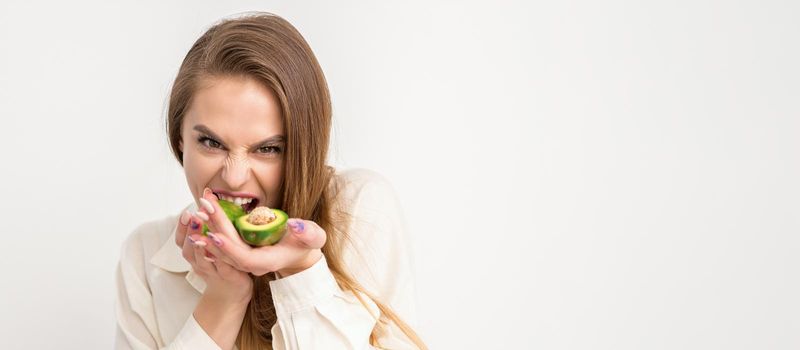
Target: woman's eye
<point>209,142</point>
<point>269,150</point>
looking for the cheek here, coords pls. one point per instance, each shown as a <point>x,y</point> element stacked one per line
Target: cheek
<point>270,177</point>
<point>269,174</point>
<point>199,169</point>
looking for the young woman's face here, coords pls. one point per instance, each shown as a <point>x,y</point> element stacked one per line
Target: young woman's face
<point>233,140</point>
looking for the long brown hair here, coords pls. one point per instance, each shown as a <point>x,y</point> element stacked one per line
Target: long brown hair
<point>269,49</point>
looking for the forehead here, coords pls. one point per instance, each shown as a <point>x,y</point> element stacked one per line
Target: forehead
<point>238,106</point>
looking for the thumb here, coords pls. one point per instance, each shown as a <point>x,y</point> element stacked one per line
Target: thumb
<point>307,233</point>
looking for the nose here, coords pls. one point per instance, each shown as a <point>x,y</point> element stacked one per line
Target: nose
<point>236,171</point>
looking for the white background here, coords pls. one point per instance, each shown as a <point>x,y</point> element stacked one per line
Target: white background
<point>575,174</point>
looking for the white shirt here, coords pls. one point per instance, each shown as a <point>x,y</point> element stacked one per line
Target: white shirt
<point>157,290</point>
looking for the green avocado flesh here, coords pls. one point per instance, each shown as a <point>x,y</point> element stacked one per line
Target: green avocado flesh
<point>232,211</point>
<point>261,235</point>
<point>257,235</point>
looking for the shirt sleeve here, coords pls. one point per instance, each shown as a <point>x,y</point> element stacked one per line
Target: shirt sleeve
<point>136,321</point>
<point>314,313</point>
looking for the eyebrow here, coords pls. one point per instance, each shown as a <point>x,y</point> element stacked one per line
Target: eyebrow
<point>272,139</point>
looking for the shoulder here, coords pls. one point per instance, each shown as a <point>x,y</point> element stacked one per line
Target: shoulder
<point>372,208</point>
<point>358,185</point>
<point>358,177</point>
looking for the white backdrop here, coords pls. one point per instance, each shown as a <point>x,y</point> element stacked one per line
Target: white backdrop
<point>579,175</point>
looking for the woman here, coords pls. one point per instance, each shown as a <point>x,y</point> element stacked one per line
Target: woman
<point>249,121</point>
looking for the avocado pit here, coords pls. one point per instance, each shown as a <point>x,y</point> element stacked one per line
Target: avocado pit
<point>261,216</point>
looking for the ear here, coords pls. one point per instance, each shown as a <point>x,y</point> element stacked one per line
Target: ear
<point>180,145</point>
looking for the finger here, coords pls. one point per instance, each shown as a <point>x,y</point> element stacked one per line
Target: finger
<point>218,221</point>
<point>228,251</point>
<point>201,218</point>
<point>202,262</point>
<point>187,251</point>
<point>193,233</point>
<point>306,233</point>
<point>180,232</point>
<point>215,243</point>
<point>229,244</point>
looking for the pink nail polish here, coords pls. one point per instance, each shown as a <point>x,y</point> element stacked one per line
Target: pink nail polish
<point>185,218</point>
<point>207,205</point>
<point>215,239</point>
<point>201,215</point>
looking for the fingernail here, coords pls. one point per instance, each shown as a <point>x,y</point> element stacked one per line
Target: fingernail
<point>190,238</point>
<point>208,191</point>
<point>215,239</point>
<point>185,218</point>
<point>207,205</point>
<point>297,225</point>
<point>201,215</point>
<point>199,243</point>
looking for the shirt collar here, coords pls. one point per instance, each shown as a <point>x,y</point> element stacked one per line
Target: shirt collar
<point>170,257</point>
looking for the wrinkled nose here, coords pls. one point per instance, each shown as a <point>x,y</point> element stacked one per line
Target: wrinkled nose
<point>236,171</point>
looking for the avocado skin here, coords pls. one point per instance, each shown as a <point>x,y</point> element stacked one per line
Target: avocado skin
<point>264,237</point>
<point>232,211</point>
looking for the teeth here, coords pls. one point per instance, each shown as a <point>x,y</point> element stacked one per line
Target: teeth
<point>236,200</point>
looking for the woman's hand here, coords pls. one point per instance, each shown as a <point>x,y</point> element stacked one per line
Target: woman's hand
<point>298,250</point>
<point>224,283</point>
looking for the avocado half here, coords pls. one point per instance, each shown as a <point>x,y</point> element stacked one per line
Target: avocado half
<point>261,235</point>
<point>256,235</point>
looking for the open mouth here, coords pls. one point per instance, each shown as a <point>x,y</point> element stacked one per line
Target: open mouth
<point>248,207</point>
